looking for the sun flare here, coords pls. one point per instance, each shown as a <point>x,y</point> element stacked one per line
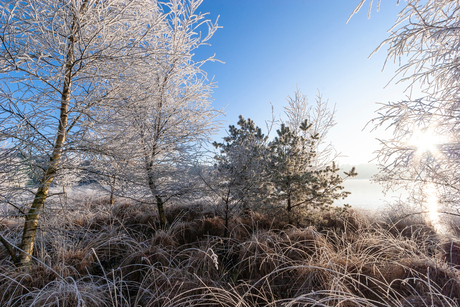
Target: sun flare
<point>432,204</point>
<point>423,141</point>
<point>426,141</point>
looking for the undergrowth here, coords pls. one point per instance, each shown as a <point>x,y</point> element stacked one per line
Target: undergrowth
<point>103,255</point>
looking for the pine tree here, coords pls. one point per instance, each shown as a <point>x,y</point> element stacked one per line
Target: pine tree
<point>295,179</point>
<point>241,166</point>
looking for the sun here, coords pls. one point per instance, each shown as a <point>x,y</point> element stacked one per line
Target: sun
<point>425,141</point>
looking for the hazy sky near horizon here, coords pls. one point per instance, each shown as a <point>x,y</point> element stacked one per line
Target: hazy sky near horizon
<point>271,46</point>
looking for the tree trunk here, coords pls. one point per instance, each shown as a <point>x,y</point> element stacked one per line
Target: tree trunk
<point>33,215</point>
<point>226,218</point>
<point>112,190</point>
<point>289,209</point>
<point>161,211</point>
<point>149,156</point>
<point>153,189</point>
<point>289,203</point>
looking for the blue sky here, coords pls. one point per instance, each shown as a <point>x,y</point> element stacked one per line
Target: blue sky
<point>269,46</point>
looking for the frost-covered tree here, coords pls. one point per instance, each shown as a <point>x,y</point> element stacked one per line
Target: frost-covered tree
<point>291,165</point>
<point>61,67</point>
<point>284,171</point>
<point>321,117</point>
<point>296,181</point>
<point>167,114</point>
<point>425,142</point>
<point>241,167</point>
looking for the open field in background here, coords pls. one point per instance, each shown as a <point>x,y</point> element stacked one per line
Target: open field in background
<point>364,194</point>
<point>369,195</point>
<point>90,253</point>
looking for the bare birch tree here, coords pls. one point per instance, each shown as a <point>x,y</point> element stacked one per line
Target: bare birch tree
<point>168,112</point>
<point>59,61</point>
<point>321,118</point>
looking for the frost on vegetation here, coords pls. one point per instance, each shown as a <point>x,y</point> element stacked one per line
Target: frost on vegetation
<point>115,262</point>
<point>100,92</point>
<point>108,94</point>
<point>423,151</point>
<point>295,170</point>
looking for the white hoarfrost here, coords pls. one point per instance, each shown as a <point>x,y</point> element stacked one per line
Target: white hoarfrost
<point>424,149</point>
<point>71,69</point>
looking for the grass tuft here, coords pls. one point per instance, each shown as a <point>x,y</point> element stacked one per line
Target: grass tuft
<point>103,255</point>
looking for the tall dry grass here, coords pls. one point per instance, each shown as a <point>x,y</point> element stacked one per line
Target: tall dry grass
<point>94,254</point>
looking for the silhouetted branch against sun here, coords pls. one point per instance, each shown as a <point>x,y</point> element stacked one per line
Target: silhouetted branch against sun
<point>424,147</point>
<point>427,140</point>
